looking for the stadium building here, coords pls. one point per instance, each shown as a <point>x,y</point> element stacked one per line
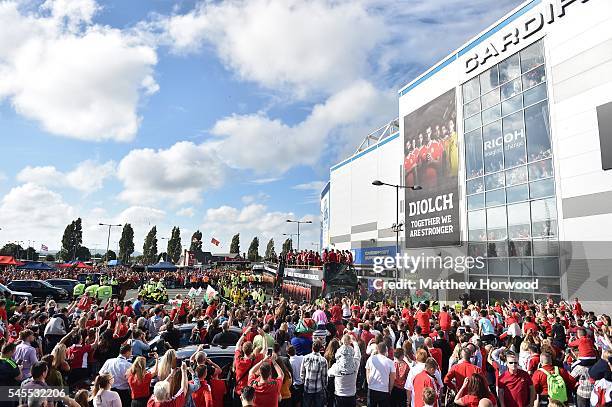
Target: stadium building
<point>510,138</point>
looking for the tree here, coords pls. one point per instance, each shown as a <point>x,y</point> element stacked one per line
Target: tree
<point>126,243</point>
<point>270,252</point>
<point>235,246</point>
<point>253,253</point>
<point>149,249</point>
<point>83,253</point>
<point>49,257</point>
<point>12,249</point>
<point>71,240</point>
<point>31,254</point>
<point>174,245</point>
<point>110,255</point>
<point>196,246</point>
<point>287,246</point>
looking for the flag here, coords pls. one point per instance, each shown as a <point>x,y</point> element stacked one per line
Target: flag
<point>192,292</point>
<point>199,291</point>
<point>210,294</point>
<point>44,248</point>
<point>215,241</point>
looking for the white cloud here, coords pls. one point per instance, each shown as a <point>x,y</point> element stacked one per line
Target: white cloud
<point>178,174</point>
<point>186,212</point>
<point>87,176</point>
<point>268,145</point>
<point>31,211</point>
<point>258,197</point>
<point>77,79</point>
<point>255,220</point>
<point>300,46</point>
<point>316,186</point>
<point>261,181</point>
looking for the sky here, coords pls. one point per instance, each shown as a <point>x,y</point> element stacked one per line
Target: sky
<point>218,116</point>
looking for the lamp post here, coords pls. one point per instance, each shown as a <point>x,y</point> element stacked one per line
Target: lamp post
<point>299,222</point>
<point>166,239</point>
<point>108,238</point>
<point>397,225</point>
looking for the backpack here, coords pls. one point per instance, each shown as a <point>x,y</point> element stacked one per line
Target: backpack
<point>556,385</point>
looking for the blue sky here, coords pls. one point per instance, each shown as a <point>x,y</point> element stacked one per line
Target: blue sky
<point>218,116</point>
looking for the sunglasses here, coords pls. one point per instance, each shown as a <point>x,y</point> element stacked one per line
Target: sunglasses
<point>512,363</point>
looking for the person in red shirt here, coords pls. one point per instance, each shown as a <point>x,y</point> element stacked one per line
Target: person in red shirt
<point>422,317</point>
<point>161,393</point>
<point>577,308</point>
<point>427,378</point>
<point>267,388</point>
<point>473,390</point>
<point>515,388</point>
<point>585,345</point>
<point>85,302</point>
<point>244,360</point>
<point>433,352</point>
<point>530,326</point>
<point>457,375</point>
<point>203,396</point>
<point>366,335</point>
<point>444,320</point>
<point>540,378</point>
<point>336,312</point>
<point>3,316</point>
<point>139,380</point>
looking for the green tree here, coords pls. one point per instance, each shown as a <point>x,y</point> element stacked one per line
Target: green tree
<point>149,249</point>
<point>31,254</point>
<point>235,246</point>
<point>196,246</point>
<point>287,246</point>
<point>126,243</point>
<point>12,249</point>
<point>71,240</point>
<point>110,255</point>
<point>270,252</point>
<point>174,245</point>
<point>253,253</point>
<point>83,253</point>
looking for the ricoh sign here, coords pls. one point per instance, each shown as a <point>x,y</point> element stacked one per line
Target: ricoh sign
<point>514,37</point>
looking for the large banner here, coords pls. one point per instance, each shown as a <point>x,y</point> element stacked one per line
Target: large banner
<point>325,238</point>
<point>431,160</point>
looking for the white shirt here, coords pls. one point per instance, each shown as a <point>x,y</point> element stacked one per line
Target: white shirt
<point>296,367</point>
<point>117,367</point>
<point>380,368</point>
<point>107,398</point>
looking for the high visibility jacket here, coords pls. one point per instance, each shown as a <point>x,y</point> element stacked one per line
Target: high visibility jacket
<point>104,292</point>
<point>78,290</point>
<point>92,290</point>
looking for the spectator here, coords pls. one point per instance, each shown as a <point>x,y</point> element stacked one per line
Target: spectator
<point>473,389</point>
<point>25,354</point>
<point>139,380</point>
<point>344,371</point>
<point>267,388</point>
<point>297,388</point>
<point>247,396</point>
<point>118,368</point>
<point>515,388</point>
<point>314,376</point>
<point>398,394</point>
<point>139,348</point>
<point>461,371</point>
<point>10,373</point>
<point>427,379</point>
<point>380,374</point>
<point>102,395</point>
<point>244,360</point>
<point>541,377</point>
<point>162,395</point>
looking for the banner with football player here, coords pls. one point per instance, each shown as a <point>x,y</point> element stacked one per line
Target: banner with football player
<point>431,160</point>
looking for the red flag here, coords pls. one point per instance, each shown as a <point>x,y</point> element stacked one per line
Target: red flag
<point>215,241</point>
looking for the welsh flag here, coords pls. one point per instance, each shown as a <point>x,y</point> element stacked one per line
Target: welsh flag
<point>210,294</point>
<point>215,241</point>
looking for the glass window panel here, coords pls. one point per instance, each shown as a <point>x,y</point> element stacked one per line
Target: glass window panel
<point>494,181</point>
<point>477,226</point>
<point>498,296</point>
<point>534,77</point>
<point>540,170</point>
<point>476,279</point>
<point>477,250</point>
<point>489,80</point>
<point>519,221</point>
<point>535,95</point>
<point>471,90</point>
<point>517,194</point>
<point>472,123</point>
<point>493,147</point>
<point>549,285</point>
<point>491,114</point>
<point>497,197</point>
<point>497,249</point>
<point>544,218</point>
<point>537,128</point>
<point>516,176</point>
<point>475,202</point>
<point>509,69</point>
<point>473,154</point>
<point>546,267</point>
<point>490,99</point>
<point>532,56</point>
<point>496,223</point>
<point>514,140</point>
<point>471,108</point>
<point>512,105</point>
<point>511,89</point>
<point>520,248</point>
<point>498,267</point>
<point>545,247</point>
<point>542,189</point>
<point>474,186</point>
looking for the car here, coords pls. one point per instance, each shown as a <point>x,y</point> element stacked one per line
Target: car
<point>17,295</point>
<point>185,331</point>
<point>39,289</point>
<point>65,283</point>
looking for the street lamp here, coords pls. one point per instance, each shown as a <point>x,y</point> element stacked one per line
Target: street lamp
<point>166,256</point>
<point>108,238</point>
<point>397,227</point>
<point>299,222</point>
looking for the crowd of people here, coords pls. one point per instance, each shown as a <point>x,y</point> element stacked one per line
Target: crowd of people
<point>335,353</point>
<point>312,258</point>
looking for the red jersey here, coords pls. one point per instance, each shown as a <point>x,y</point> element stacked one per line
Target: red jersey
<point>459,372</point>
<point>421,381</point>
<point>422,319</point>
<point>444,319</point>
<point>516,388</point>
<point>266,391</point>
<point>540,382</point>
<point>586,347</point>
<point>203,396</point>
<point>78,355</point>
<point>242,367</point>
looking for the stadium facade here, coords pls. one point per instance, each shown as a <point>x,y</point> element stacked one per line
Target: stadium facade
<point>510,139</point>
